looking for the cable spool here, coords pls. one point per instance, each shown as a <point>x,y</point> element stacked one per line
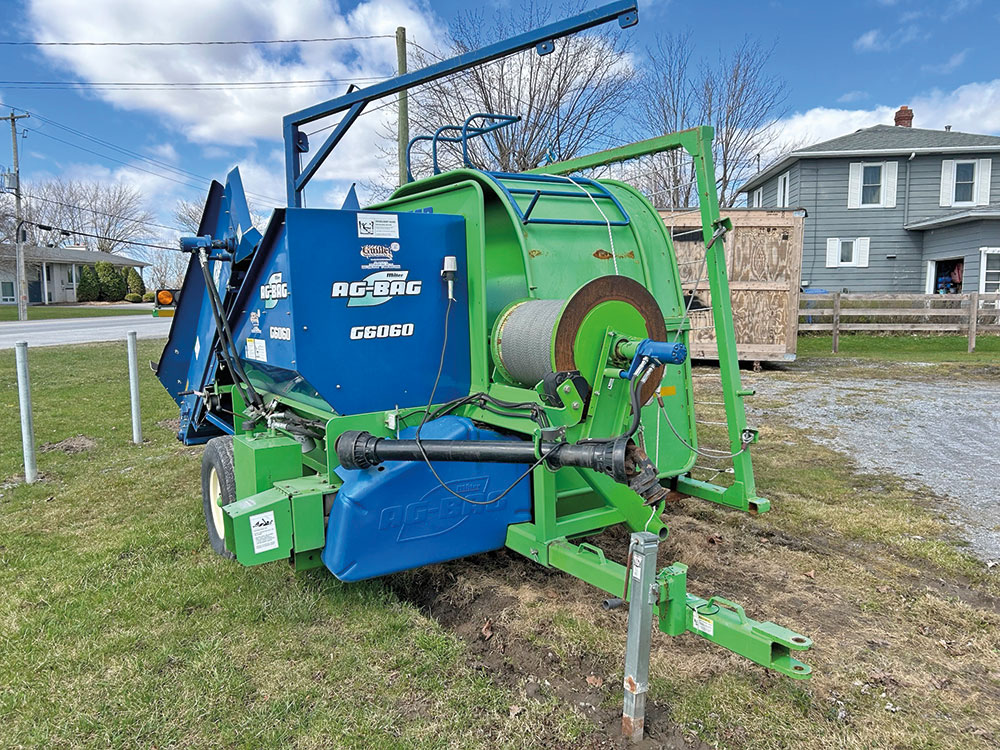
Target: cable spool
<point>535,337</point>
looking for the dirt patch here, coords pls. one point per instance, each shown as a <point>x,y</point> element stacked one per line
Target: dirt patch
<point>170,424</point>
<point>477,600</point>
<point>71,445</point>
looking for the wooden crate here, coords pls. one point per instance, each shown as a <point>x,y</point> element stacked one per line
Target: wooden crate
<point>763,260</point>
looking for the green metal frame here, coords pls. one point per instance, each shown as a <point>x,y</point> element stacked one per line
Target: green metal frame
<point>570,504</point>
<point>697,142</point>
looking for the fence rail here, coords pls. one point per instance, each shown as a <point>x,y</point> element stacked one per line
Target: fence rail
<point>970,313</point>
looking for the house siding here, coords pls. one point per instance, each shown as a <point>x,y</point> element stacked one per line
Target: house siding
<point>897,256</point>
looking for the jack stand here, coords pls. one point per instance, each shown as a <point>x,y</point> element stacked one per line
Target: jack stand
<point>641,579</point>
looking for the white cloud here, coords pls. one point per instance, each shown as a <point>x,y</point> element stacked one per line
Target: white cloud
<point>875,40</point>
<point>221,119</point>
<point>971,108</point>
<point>852,96</point>
<point>948,66</point>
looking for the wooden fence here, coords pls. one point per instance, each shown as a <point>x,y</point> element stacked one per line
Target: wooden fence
<point>970,313</point>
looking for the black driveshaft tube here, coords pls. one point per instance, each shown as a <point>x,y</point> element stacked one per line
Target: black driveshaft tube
<point>362,450</point>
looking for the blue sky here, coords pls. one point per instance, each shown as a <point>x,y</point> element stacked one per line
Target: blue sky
<point>847,65</point>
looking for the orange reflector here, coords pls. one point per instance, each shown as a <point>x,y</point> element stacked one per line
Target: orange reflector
<point>668,390</point>
<point>165,297</point>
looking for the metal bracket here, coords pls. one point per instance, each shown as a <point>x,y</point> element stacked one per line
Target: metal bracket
<point>641,574</point>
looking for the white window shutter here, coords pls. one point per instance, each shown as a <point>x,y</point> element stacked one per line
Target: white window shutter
<point>947,182</point>
<point>889,171</point>
<point>854,186</point>
<point>983,169</point>
<point>861,246</point>
<point>833,252</point>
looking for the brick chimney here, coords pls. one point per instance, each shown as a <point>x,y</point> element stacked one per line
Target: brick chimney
<point>904,117</point>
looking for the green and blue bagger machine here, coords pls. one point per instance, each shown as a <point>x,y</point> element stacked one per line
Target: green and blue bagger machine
<point>484,360</point>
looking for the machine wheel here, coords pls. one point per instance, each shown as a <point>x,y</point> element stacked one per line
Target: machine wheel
<point>218,481</point>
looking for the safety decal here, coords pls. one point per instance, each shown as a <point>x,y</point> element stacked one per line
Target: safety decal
<point>703,624</point>
<point>263,532</point>
<point>256,350</point>
<point>376,288</point>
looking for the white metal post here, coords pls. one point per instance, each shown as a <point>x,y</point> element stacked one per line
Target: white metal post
<point>642,595</point>
<point>27,423</point>
<point>133,385</point>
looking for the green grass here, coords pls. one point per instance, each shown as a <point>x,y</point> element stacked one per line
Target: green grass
<point>49,312</point>
<point>903,348</point>
<point>119,627</point>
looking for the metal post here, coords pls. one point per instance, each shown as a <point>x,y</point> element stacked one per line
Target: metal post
<point>835,326</point>
<point>27,424</point>
<point>403,124</point>
<point>133,385</point>
<point>643,591</point>
<point>973,320</point>
<point>21,274</point>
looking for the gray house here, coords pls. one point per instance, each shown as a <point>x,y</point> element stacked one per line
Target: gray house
<point>893,208</point>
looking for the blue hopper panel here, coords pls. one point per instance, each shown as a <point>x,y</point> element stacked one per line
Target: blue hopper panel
<point>397,516</point>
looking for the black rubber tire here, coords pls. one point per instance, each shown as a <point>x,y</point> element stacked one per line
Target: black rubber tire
<point>218,455</point>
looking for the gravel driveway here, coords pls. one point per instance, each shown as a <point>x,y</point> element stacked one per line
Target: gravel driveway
<point>942,433</point>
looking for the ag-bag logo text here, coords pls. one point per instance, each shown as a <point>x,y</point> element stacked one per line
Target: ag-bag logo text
<point>273,290</point>
<point>376,288</point>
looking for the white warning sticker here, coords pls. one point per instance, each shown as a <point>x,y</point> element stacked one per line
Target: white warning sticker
<point>703,624</point>
<point>637,568</point>
<point>256,350</point>
<point>263,532</point>
<point>382,226</point>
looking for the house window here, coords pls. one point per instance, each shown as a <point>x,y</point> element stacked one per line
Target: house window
<point>758,198</point>
<point>782,201</point>
<point>7,291</point>
<point>871,185</point>
<point>989,276</point>
<point>849,253</point>
<point>965,182</point>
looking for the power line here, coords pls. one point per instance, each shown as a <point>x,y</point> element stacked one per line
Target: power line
<point>183,85</point>
<point>121,149</point>
<point>71,232</point>
<point>198,43</point>
<point>104,213</point>
<point>118,161</point>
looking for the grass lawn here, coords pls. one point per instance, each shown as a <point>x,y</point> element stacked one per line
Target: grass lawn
<point>119,627</point>
<point>902,348</point>
<point>44,312</point>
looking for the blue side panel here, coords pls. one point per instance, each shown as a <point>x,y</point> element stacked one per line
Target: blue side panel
<point>399,517</point>
<point>346,310</point>
<point>189,361</point>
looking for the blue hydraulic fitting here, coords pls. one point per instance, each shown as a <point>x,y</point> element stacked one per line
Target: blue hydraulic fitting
<point>658,353</point>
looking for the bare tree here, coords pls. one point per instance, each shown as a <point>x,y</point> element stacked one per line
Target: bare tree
<point>166,269</point>
<point>115,212</point>
<point>734,94</point>
<point>187,215</point>
<point>568,100</point>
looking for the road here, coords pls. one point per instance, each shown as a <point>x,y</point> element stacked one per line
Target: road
<point>81,330</point>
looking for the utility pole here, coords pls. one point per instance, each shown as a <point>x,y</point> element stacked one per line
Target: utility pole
<point>403,126</point>
<point>22,277</point>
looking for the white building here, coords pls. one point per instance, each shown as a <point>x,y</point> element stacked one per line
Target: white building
<point>53,272</point>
